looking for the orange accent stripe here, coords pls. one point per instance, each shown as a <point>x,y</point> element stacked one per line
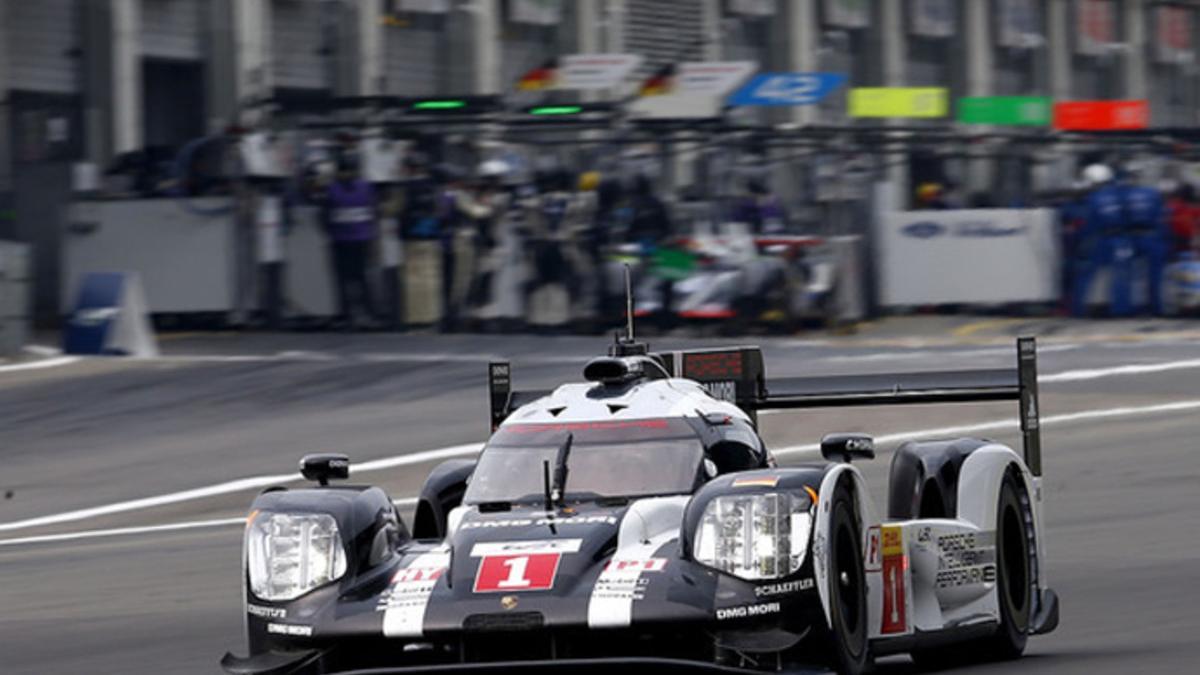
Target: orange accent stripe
<point>811,493</point>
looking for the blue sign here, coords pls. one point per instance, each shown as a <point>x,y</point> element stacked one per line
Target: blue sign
<point>787,89</point>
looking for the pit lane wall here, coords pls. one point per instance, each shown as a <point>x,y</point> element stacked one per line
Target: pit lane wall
<point>15,294</point>
<point>969,256</point>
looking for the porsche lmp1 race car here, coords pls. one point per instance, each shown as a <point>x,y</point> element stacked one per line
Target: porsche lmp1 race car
<point>638,520</point>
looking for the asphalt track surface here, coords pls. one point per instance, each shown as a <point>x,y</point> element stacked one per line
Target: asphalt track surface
<point>1121,486</point>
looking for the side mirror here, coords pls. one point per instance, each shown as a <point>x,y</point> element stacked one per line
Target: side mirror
<point>845,447</point>
<point>325,466</point>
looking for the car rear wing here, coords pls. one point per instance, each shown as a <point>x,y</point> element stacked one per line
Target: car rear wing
<point>737,375</point>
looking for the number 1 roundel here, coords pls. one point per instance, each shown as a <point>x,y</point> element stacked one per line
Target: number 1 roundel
<point>517,572</point>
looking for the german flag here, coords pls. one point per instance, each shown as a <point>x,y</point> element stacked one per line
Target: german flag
<point>540,78</point>
<point>661,82</point>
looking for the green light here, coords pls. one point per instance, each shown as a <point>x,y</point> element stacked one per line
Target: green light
<point>556,110</point>
<point>439,105</point>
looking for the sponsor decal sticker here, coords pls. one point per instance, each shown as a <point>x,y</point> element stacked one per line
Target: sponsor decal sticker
<point>520,565</point>
<point>783,588</point>
<point>966,559</point>
<point>290,629</point>
<point>403,603</point>
<point>747,611</point>
<point>923,230</point>
<point>528,522</point>
<point>895,567</point>
<point>266,612</point>
<point>874,550</point>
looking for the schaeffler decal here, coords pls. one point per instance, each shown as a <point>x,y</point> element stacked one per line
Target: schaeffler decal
<point>895,562</point>
<point>748,611</point>
<point>783,588</point>
<point>520,566</point>
<point>266,612</point>
<point>403,603</point>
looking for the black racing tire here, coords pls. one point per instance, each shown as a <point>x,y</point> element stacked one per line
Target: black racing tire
<point>848,647</point>
<point>1014,591</point>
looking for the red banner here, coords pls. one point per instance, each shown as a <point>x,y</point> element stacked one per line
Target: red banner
<point>1101,115</point>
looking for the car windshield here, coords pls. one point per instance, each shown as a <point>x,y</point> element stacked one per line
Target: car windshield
<point>638,458</point>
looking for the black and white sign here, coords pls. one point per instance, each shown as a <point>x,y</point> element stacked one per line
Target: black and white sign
<point>976,256</point>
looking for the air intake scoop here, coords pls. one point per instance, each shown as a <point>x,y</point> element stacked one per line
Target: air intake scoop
<point>613,370</point>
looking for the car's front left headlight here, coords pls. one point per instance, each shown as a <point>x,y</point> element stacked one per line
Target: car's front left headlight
<point>290,554</point>
<point>755,536</point>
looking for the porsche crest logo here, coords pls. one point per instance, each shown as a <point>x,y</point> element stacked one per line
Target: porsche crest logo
<point>508,602</point>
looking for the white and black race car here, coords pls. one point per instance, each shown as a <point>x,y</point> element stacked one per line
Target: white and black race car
<point>637,519</point>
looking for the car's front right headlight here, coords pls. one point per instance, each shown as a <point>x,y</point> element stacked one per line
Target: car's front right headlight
<point>755,536</point>
<point>290,554</point>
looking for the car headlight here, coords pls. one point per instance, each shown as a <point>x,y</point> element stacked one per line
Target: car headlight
<point>755,536</point>
<point>289,554</point>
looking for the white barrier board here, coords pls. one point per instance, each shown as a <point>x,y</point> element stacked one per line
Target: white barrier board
<point>970,256</point>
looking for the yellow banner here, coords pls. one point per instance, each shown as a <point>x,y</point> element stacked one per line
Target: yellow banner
<point>899,102</point>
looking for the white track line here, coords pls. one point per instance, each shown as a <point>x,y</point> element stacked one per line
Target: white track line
<point>150,529</point>
<point>462,450</point>
<point>115,532</point>
<point>1115,371</point>
<point>252,483</point>
<point>37,365</point>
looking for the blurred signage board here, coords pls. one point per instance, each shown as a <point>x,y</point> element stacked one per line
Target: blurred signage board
<point>1095,26</point>
<point>1101,115</point>
<point>924,102</point>
<point>538,12</point>
<point>595,71</point>
<point>848,13</point>
<point>981,256</point>
<point>787,89</point>
<point>698,90</point>
<point>1173,26</point>
<point>933,18</point>
<point>423,6</point>
<point>1034,111</point>
<point>1019,23</point>
<point>752,7</point>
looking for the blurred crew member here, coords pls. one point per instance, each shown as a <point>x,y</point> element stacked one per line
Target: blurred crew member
<point>1185,218</point>
<point>350,214</point>
<point>931,196</point>
<point>1102,240</point>
<point>760,209</point>
<point>649,223</point>
<point>1149,234</point>
<point>419,215</point>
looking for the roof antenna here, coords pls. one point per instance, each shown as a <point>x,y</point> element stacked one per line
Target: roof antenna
<point>627,346</point>
<point>628,306</point>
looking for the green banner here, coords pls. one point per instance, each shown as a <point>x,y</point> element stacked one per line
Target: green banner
<point>1036,111</point>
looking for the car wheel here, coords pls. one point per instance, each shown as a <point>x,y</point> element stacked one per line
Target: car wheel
<point>847,589</point>
<point>1013,587</point>
<point>1012,591</point>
